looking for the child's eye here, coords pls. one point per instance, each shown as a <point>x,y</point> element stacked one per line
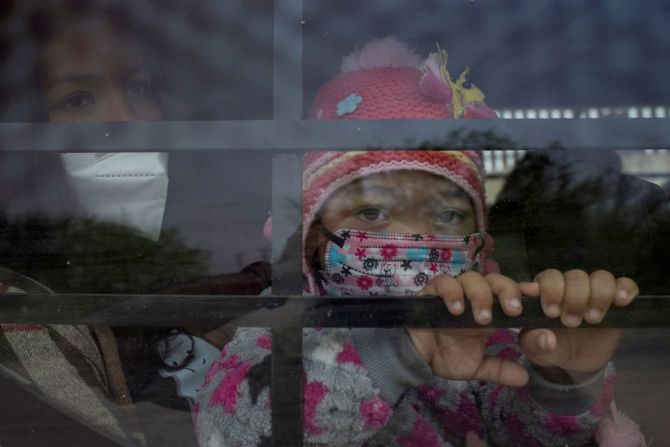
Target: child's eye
<point>372,214</point>
<point>449,217</point>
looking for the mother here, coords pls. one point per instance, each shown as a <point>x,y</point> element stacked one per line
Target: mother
<point>74,233</point>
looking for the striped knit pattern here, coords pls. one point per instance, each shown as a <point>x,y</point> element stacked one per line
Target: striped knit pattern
<point>324,173</point>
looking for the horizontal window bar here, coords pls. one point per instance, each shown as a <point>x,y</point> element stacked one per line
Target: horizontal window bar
<point>292,311</point>
<point>615,133</point>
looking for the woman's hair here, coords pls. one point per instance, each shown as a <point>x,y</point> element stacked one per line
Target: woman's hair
<point>220,47</point>
<point>29,26</point>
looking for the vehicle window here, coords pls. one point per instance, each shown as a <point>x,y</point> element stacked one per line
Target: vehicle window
<point>311,222</point>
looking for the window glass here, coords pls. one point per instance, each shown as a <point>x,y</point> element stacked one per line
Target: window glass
<point>530,59</point>
<point>216,217</point>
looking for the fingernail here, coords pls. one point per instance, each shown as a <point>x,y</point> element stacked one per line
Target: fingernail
<point>457,307</point>
<point>594,315</point>
<point>484,315</point>
<point>515,303</point>
<point>553,310</point>
<point>544,342</point>
<point>572,320</point>
<point>622,296</point>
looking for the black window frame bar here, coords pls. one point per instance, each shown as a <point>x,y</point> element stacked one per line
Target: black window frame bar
<point>285,311</point>
<point>286,391</point>
<point>294,136</point>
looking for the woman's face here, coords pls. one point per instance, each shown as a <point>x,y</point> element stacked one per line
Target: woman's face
<point>93,72</point>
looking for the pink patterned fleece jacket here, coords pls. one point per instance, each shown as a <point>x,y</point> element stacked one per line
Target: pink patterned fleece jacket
<point>369,387</point>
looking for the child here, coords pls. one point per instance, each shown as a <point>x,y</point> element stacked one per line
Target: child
<point>407,222</point>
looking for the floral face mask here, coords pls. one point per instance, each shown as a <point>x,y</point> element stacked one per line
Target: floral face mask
<point>370,263</point>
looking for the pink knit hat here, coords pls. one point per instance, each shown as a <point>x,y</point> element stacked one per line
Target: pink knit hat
<point>385,80</point>
<point>326,172</point>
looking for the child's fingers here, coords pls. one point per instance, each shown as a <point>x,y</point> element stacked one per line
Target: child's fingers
<point>478,291</point>
<point>603,291</point>
<point>539,345</point>
<point>449,289</point>
<point>505,372</point>
<point>507,291</point>
<point>530,288</point>
<point>577,296</point>
<point>551,291</point>
<point>626,291</point>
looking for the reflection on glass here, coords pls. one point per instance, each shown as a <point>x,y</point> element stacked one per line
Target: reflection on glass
<point>554,60</point>
<point>577,208</point>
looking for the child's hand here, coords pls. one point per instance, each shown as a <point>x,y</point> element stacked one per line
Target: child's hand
<point>575,296</point>
<point>460,354</point>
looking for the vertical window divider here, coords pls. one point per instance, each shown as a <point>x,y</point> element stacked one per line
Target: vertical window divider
<point>287,367</point>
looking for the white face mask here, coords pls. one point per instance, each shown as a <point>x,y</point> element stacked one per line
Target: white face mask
<point>124,188</point>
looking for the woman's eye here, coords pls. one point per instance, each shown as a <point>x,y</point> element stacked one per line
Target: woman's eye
<point>76,101</point>
<point>372,214</point>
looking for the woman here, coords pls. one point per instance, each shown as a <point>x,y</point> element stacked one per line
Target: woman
<point>92,65</point>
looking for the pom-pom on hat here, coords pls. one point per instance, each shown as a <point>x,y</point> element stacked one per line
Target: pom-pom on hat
<point>385,80</point>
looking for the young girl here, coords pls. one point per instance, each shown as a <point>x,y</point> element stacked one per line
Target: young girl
<point>408,222</point>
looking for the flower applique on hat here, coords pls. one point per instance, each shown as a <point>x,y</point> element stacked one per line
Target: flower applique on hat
<point>348,104</point>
